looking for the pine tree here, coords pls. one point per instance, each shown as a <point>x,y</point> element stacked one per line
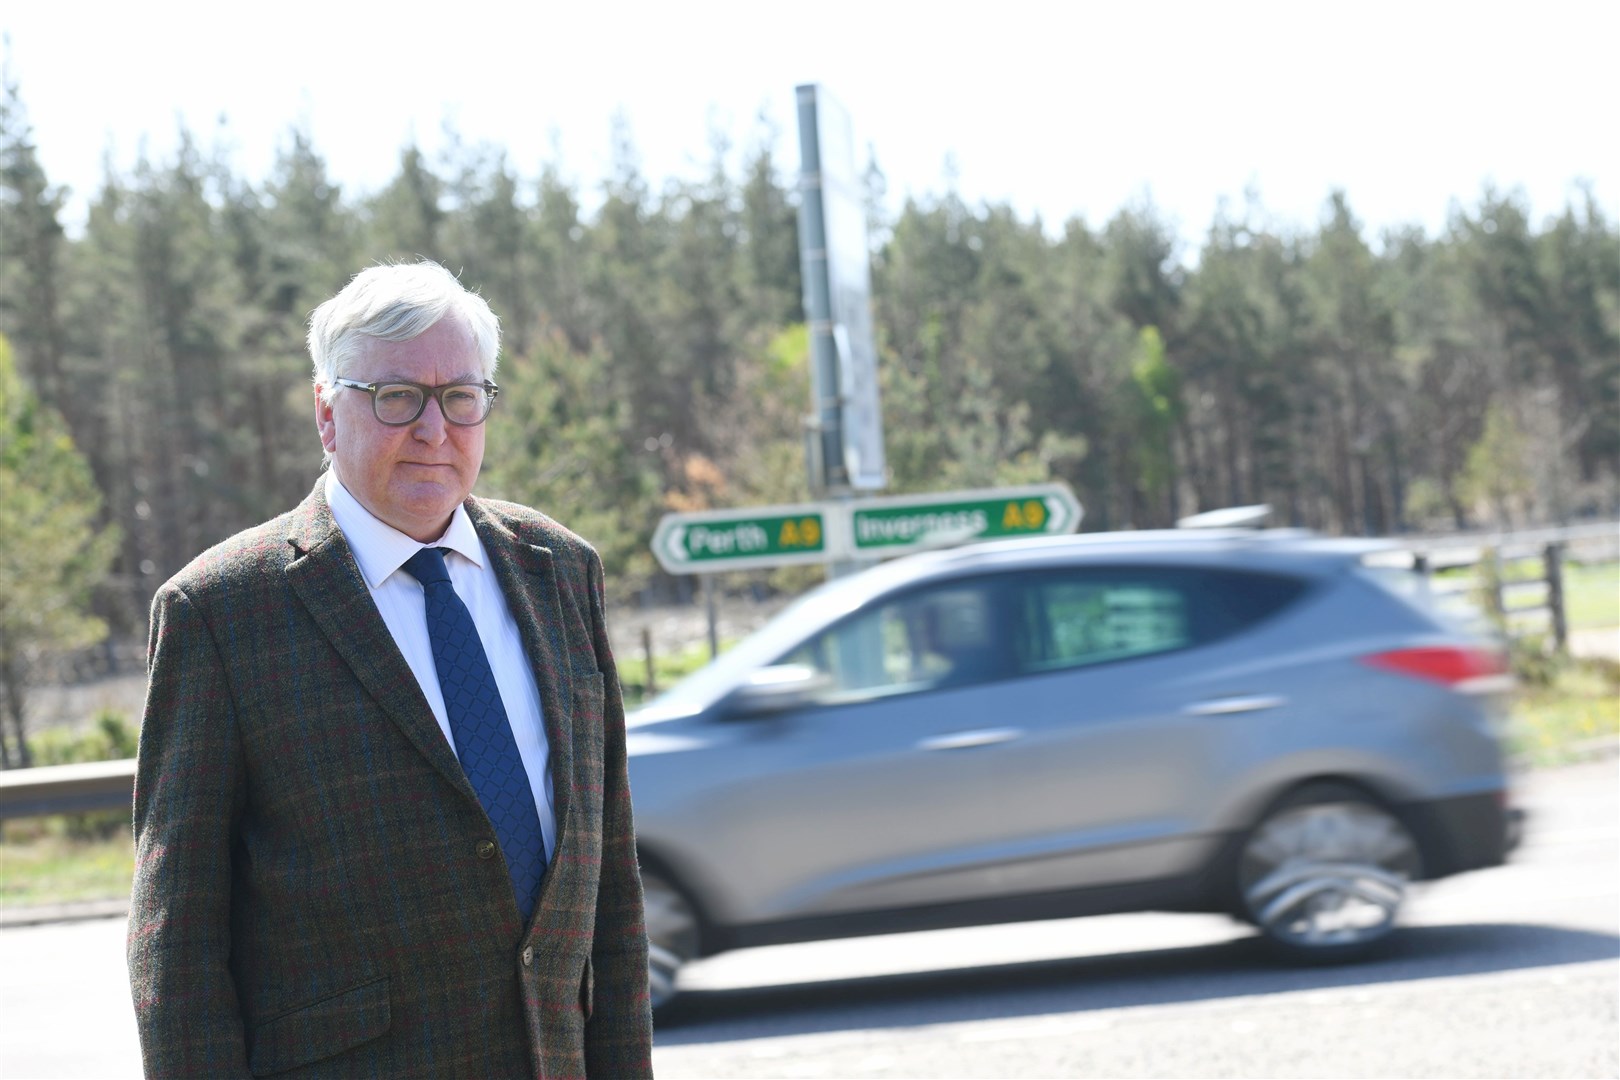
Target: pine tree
<point>53,553</point>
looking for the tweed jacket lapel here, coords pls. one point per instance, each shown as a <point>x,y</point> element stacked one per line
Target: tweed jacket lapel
<point>327,580</point>
<point>528,578</point>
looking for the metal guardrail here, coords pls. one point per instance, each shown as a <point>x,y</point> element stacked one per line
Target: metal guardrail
<point>67,789</point>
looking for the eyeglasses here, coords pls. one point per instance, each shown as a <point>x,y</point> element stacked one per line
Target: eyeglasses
<point>399,403</point>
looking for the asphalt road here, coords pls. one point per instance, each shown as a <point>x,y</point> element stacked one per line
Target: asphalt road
<point>1507,972</point>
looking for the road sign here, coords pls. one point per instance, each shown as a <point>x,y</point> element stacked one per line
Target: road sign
<point>712,541</point>
<point>902,523</point>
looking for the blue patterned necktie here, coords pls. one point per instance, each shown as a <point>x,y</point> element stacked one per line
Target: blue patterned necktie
<point>483,735</point>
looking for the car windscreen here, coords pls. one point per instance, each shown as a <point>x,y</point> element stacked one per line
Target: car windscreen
<point>711,682</point>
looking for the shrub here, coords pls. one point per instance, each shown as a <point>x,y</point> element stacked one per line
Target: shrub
<point>110,738</point>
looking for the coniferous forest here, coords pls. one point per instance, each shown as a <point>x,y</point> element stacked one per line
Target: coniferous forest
<point>655,356</point>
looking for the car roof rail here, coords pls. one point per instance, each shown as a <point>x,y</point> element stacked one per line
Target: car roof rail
<point>1229,517</point>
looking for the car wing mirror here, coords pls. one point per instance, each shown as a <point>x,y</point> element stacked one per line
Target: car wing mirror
<point>779,689</point>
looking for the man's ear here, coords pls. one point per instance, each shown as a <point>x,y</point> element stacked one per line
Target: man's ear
<point>325,422</point>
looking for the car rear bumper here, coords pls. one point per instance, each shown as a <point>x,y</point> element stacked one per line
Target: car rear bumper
<point>1516,816</point>
<point>1466,832</point>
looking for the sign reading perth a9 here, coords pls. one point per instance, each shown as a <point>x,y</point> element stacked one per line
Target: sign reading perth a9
<point>713,541</point>
<point>717,540</point>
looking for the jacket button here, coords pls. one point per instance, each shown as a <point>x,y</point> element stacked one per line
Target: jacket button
<point>486,849</point>
<point>528,956</point>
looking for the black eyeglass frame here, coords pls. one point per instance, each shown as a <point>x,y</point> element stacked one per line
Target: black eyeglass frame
<point>434,392</point>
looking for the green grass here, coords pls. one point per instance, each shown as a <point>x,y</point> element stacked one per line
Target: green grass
<point>669,669</point>
<point>1591,590</point>
<point>1581,704</point>
<point>1592,594</point>
<point>65,857</point>
<point>41,863</point>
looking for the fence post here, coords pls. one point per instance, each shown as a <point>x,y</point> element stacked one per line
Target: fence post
<point>1553,561</point>
<point>1420,567</point>
<point>709,590</point>
<point>1495,594</point>
<point>646,651</point>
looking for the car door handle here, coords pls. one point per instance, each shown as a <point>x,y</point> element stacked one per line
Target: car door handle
<point>967,740</point>
<point>1230,706</point>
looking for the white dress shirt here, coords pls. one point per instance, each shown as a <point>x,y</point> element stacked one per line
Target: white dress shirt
<point>381,551</point>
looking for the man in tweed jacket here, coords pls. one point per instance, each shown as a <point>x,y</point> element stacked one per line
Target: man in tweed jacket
<point>318,890</point>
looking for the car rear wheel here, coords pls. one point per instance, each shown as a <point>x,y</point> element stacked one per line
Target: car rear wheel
<point>1325,873</point>
<point>672,936</point>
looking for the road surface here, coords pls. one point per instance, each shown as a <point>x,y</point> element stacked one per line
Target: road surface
<point>1508,972</point>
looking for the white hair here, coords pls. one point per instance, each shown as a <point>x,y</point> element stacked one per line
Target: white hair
<point>396,302</point>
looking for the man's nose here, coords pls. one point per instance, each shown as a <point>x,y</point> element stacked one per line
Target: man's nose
<point>431,427</point>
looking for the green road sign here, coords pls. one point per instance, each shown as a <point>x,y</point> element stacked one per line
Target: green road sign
<point>916,522</point>
<point>710,542</point>
<point>719,540</point>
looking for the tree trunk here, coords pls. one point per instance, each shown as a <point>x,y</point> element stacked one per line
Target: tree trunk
<point>16,701</point>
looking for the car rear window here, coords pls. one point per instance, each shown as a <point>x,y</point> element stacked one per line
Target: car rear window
<point>1075,618</point>
<point>1447,604</point>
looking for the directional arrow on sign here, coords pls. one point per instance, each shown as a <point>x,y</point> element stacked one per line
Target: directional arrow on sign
<point>669,545</point>
<point>1063,512</point>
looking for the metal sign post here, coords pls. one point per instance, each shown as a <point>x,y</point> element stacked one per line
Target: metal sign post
<point>846,420</point>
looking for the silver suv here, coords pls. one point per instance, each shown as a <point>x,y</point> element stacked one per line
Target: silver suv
<point>1252,722</point>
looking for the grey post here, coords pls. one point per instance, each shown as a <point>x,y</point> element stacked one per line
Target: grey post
<point>826,417</point>
<point>1553,565</point>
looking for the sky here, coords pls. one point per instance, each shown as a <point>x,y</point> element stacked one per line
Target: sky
<point>1058,109</point>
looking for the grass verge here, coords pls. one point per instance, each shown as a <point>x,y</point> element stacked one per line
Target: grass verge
<point>1557,722</point>
<point>668,669</point>
<point>42,862</point>
<point>1593,593</point>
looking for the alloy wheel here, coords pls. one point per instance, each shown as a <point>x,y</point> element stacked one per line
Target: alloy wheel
<point>672,936</point>
<point>1327,877</point>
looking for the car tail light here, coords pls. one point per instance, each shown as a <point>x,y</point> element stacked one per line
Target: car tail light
<point>1467,669</point>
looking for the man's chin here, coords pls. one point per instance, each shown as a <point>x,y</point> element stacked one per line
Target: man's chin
<point>427,507</point>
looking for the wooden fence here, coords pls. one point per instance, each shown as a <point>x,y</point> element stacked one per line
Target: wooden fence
<point>1519,578</point>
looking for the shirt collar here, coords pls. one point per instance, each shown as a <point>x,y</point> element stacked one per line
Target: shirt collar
<point>379,548</point>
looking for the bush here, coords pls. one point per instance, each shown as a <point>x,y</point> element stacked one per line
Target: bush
<point>1557,721</point>
<point>111,738</point>
<point>1534,662</point>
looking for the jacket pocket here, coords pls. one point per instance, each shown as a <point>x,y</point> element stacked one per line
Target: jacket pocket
<point>319,1030</point>
<point>587,989</point>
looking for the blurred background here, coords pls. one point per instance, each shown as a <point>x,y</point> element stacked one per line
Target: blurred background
<point>1360,264</point>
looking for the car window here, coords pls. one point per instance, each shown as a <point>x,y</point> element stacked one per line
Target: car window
<point>1076,618</point>
<point>1455,610</point>
<point>926,640</point>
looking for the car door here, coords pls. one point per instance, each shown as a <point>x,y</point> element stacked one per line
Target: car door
<point>1122,693</point>
<point>876,794</point>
